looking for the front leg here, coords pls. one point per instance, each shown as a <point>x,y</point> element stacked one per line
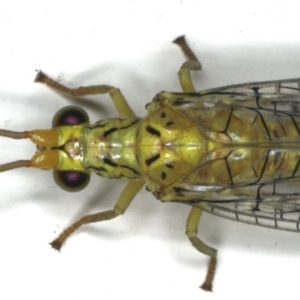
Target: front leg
<point>117,97</point>
<point>132,188</point>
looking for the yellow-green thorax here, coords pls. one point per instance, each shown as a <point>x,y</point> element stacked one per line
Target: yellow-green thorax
<point>161,147</point>
<point>111,148</point>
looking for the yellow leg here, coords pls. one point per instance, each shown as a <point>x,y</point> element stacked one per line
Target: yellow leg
<point>191,64</point>
<point>123,202</point>
<point>191,232</point>
<point>118,99</point>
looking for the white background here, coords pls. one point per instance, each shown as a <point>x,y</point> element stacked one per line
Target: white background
<point>143,254</point>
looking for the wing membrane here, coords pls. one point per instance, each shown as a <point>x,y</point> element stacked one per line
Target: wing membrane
<point>284,215</point>
<point>274,205</point>
<point>277,96</point>
<point>274,199</point>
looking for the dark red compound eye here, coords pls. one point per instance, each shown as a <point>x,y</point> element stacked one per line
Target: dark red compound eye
<point>70,115</point>
<point>71,181</point>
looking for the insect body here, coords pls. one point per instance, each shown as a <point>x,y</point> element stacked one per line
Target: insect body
<point>232,151</point>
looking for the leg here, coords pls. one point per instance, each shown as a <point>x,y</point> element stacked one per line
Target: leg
<point>191,232</point>
<point>191,64</point>
<point>118,99</point>
<point>123,202</point>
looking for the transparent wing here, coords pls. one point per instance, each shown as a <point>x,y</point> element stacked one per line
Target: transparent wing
<point>278,212</point>
<point>270,201</point>
<point>279,96</point>
<point>273,200</point>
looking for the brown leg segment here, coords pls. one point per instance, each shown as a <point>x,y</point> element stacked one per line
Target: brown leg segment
<point>117,97</point>
<point>191,64</point>
<point>123,202</point>
<point>191,232</point>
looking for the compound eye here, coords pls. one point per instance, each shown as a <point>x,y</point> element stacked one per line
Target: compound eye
<point>70,115</point>
<point>71,181</point>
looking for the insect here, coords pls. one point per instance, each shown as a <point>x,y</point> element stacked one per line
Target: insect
<point>232,151</point>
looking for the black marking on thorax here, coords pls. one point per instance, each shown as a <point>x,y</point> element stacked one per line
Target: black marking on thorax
<point>152,159</point>
<point>108,132</point>
<point>153,131</point>
<point>109,162</point>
